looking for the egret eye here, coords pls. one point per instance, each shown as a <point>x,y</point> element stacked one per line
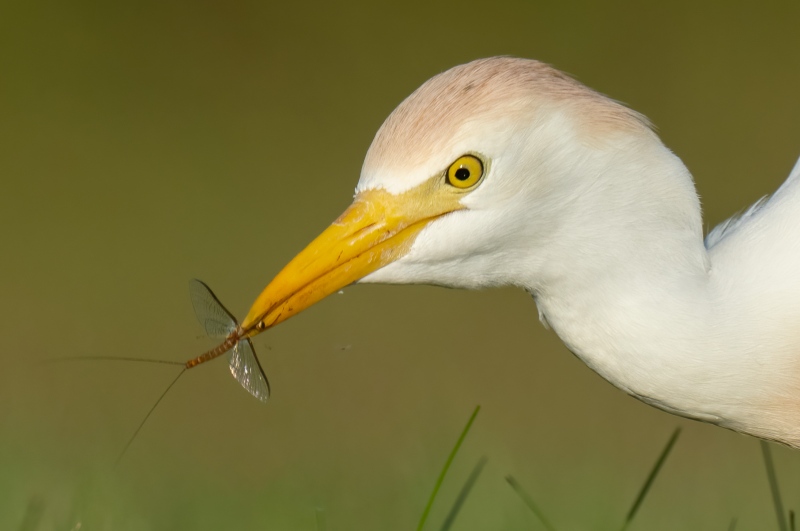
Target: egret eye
<point>465,172</point>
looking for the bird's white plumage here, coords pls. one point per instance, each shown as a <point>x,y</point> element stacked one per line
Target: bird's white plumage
<point>584,207</point>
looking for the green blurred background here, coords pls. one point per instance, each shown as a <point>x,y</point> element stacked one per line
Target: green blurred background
<point>146,143</point>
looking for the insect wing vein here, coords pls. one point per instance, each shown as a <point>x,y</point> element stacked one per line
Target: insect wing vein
<point>213,317</point>
<point>247,370</point>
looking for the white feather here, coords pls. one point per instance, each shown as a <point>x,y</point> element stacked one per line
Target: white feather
<point>584,207</point>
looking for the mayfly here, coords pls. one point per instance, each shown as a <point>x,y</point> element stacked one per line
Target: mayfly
<point>217,322</point>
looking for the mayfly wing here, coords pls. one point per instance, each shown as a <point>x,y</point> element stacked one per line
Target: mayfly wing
<point>213,317</point>
<point>219,322</point>
<point>247,370</point>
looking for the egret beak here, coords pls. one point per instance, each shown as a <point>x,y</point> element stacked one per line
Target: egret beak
<point>377,229</point>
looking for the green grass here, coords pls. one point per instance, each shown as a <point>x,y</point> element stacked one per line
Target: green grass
<point>463,493</point>
<point>36,509</point>
<point>445,468</point>
<point>772,477</point>
<point>33,514</point>
<point>651,478</point>
<point>637,503</point>
<point>528,500</point>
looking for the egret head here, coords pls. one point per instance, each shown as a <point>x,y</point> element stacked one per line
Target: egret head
<point>469,180</point>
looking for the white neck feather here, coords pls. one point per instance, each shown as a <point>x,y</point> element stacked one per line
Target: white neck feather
<point>649,313</point>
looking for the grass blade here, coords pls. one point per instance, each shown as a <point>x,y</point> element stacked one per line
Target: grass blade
<point>462,495</point>
<point>450,458</point>
<point>33,514</point>
<point>320,516</point>
<point>773,486</point>
<point>732,526</point>
<point>651,478</point>
<point>529,502</point>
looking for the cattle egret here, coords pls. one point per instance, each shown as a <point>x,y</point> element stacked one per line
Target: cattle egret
<point>505,171</point>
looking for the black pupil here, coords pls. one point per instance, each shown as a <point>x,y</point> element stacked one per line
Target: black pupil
<point>462,174</point>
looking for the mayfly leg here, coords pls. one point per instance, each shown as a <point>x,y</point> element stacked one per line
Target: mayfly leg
<point>141,424</point>
<point>217,322</point>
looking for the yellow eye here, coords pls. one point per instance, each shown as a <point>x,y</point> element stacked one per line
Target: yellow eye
<point>465,172</point>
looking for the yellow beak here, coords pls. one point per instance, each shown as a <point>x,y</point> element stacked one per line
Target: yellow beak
<point>377,229</point>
